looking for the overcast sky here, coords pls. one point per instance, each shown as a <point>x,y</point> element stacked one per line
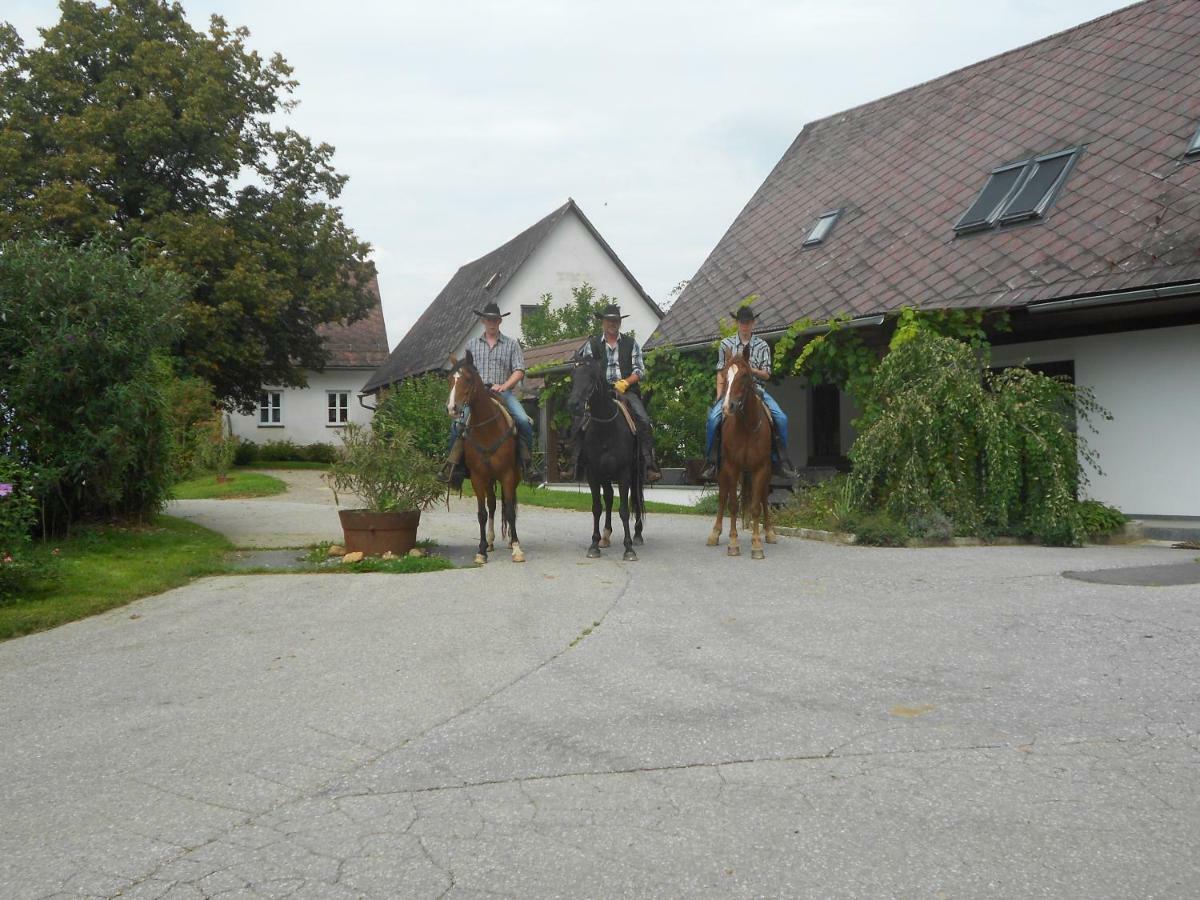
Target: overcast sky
<point>461,123</point>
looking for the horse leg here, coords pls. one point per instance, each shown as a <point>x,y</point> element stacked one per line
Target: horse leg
<point>734,548</point>
<point>491,508</point>
<point>594,549</point>
<point>480,502</point>
<point>629,556</point>
<point>771,537</point>
<point>715,537</point>
<point>606,538</point>
<point>758,505</point>
<point>635,497</point>
<point>509,511</point>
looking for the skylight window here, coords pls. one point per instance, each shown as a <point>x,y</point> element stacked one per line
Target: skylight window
<point>1018,192</point>
<point>821,229</point>
<point>1194,147</point>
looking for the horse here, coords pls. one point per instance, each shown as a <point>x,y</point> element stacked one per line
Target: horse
<point>745,457</point>
<point>490,452</point>
<point>610,453</point>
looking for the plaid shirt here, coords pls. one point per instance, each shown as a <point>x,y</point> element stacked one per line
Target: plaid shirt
<point>760,354</point>
<point>495,364</point>
<point>614,362</point>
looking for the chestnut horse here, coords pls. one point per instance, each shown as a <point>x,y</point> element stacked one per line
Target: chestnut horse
<point>745,457</point>
<point>490,452</point>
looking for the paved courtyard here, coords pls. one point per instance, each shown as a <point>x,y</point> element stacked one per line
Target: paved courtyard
<point>830,722</point>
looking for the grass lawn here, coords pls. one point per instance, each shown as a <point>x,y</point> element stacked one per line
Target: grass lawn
<point>530,496</point>
<point>240,484</point>
<point>101,567</point>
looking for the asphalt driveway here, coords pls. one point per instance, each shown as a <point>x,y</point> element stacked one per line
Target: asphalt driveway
<point>830,722</point>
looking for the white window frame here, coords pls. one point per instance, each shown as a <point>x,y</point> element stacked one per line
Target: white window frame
<point>343,408</point>
<point>266,409</point>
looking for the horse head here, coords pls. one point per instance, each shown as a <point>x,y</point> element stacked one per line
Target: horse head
<point>739,382</point>
<point>587,382</point>
<point>465,384</point>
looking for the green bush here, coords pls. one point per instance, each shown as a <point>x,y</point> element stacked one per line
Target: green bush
<point>995,453</point>
<point>418,406</point>
<point>383,468</point>
<point>877,529</point>
<point>191,404</point>
<point>678,392</point>
<point>1096,518</point>
<point>216,446</point>
<point>246,452</point>
<point>320,453</point>
<point>821,506</point>
<point>85,382</point>
<point>280,451</point>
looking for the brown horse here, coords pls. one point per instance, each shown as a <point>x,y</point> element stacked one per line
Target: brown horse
<point>745,457</point>
<point>490,449</point>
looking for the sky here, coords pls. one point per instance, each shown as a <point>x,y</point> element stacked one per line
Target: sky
<point>462,123</point>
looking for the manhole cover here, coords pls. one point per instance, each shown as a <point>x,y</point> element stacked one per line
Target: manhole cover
<point>1143,576</point>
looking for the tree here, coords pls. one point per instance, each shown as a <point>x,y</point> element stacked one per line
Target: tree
<point>578,318</point>
<point>129,124</point>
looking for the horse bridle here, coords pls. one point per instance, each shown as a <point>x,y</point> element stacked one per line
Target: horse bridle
<point>499,411</point>
<point>742,405</point>
<point>598,389</point>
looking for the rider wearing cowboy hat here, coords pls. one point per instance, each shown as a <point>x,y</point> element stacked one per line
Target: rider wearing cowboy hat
<point>623,356</point>
<point>760,367</point>
<point>501,364</point>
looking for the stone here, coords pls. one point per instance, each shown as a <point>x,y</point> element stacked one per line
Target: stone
<point>416,553</point>
<point>388,554</point>
<point>353,557</point>
<point>336,550</point>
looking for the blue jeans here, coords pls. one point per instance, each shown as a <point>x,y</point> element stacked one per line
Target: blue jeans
<point>516,410</point>
<point>715,415</point>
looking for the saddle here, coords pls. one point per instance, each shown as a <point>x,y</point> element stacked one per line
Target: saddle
<point>623,407</point>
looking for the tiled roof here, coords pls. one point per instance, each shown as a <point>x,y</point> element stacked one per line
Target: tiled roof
<point>446,321</point>
<point>359,345</point>
<point>547,354</point>
<point>905,167</point>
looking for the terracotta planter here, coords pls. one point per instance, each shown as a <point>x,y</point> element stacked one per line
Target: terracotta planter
<point>374,533</point>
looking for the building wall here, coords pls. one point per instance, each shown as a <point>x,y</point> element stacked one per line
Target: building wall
<point>1150,382</point>
<point>566,258</point>
<point>303,411</point>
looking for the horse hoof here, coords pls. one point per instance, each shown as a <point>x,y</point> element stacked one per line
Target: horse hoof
<point>480,559</point>
<point>772,538</point>
<point>713,539</point>
<point>734,551</point>
<point>757,554</point>
<point>637,539</point>
<point>629,556</point>
<point>593,553</point>
<point>491,547</point>
<point>605,542</point>
<point>518,556</point>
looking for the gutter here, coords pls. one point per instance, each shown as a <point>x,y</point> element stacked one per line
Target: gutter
<point>1116,297</point>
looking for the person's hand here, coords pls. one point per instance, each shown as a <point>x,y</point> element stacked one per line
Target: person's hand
<point>621,385</point>
<point>494,388</point>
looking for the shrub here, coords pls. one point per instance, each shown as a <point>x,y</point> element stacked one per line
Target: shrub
<point>383,467</point>
<point>678,391</point>
<point>932,525</point>
<point>320,453</point>
<point>1096,518</point>
<point>280,451</point>
<point>877,529</point>
<point>418,406</point>
<point>85,381</point>
<point>821,506</point>
<point>216,446</point>
<point>18,516</point>
<point>246,452</point>
<point>190,404</point>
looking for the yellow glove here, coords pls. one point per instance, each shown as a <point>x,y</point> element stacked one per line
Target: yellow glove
<point>622,386</point>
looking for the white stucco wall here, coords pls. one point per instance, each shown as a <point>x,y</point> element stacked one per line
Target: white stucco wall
<point>566,258</point>
<point>303,411</point>
<point>1150,382</point>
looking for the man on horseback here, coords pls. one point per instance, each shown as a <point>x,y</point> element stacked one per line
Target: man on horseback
<point>623,356</point>
<point>760,366</point>
<point>501,364</point>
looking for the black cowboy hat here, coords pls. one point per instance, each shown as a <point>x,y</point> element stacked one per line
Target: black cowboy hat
<point>491,311</point>
<point>612,311</point>
<point>744,314</point>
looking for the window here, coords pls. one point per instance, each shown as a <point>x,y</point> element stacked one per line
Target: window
<point>821,229</point>
<point>1194,147</point>
<point>270,405</point>
<point>529,309</point>
<point>338,408</point>
<point>1018,192</point>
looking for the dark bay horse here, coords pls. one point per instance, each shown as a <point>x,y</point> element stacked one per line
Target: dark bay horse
<point>610,453</point>
<point>490,452</point>
<point>745,458</point>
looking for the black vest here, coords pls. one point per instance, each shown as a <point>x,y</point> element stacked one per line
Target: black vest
<point>624,356</point>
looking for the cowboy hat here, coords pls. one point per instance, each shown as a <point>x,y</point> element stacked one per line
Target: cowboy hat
<point>744,314</point>
<point>612,311</point>
<point>491,311</point>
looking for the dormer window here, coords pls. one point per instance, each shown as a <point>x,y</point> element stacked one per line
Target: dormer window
<point>1018,191</point>
<point>821,229</point>
<point>1194,147</point>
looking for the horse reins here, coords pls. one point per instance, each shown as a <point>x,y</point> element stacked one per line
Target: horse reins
<point>486,452</point>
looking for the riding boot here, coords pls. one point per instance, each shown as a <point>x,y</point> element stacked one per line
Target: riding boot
<point>653,472</point>
<point>526,457</point>
<point>781,466</point>
<point>710,467</point>
<point>453,471</point>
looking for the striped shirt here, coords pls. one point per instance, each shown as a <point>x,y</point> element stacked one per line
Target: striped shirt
<point>495,364</point>
<point>614,363</point>
<point>760,354</point>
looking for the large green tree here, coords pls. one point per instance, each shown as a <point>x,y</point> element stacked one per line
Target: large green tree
<point>548,324</point>
<point>129,124</point>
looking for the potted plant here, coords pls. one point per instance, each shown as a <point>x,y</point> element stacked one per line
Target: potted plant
<point>382,467</point>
